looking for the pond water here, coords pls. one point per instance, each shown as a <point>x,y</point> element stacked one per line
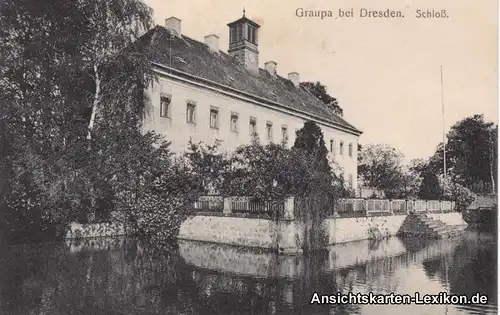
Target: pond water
<point>124,276</point>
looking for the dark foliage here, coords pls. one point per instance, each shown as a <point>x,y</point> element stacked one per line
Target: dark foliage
<point>430,188</point>
<point>471,154</point>
<point>56,60</point>
<point>319,90</point>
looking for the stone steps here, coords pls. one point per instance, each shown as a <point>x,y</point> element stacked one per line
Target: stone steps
<point>424,226</point>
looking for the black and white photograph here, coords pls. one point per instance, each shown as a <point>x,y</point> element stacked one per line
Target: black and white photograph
<point>205,157</point>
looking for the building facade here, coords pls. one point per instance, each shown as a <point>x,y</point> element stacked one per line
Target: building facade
<point>203,94</point>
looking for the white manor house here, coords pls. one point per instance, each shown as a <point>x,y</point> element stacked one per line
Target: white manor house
<point>205,94</point>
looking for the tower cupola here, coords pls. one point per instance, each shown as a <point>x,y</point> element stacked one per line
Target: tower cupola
<point>243,42</point>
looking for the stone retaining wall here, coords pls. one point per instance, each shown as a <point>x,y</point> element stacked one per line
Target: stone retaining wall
<point>451,218</point>
<point>266,233</point>
<point>249,232</point>
<point>342,230</point>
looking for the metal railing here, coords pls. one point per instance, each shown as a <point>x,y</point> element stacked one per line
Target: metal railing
<point>367,207</point>
<point>212,203</point>
<point>244,205</point>
<point>247,205</point>
<point>343,207</point>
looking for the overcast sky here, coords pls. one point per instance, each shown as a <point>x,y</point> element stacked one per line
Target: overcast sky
<point>385,73</point>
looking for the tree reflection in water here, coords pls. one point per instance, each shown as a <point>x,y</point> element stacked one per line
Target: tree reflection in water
<point>118,276</point>
<point>470,255</point>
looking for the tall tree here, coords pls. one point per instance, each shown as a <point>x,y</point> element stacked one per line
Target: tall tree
<point>309,139</point>
<point>41,88</point>
<point>113,26</point>
<point>471,154</point>
<point>381,167</point>
<point>56,64</point>
<point>418,166</point>
<point>320,91</point>
<point>430,188</point>
<point>310,152</point>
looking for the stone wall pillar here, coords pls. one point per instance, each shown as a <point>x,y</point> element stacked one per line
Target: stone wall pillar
<point>335,212</point>
<point>227,205</point>
<point>288,213</point>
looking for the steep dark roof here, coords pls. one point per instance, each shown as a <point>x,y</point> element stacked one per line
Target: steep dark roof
<point>194,58</point>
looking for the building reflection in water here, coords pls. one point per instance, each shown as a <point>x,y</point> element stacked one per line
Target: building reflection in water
<point>120,276</point>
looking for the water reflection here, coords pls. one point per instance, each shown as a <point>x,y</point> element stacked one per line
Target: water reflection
<point>120,276</point>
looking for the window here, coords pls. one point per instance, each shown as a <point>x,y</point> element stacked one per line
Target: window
<point>284,134</point>
<point>251,34</point>
<point>234,122</point>
<point>165,105</point>
<point>214,118</point>
<point>239,32</point>
<point>331,146</point>
<point>269,129</point>
<point>232,35</point>
<point>350,149</point>
<point>341,148</point>
<point>253,126</point>
<point>191,113</point>
<point>350,181</point>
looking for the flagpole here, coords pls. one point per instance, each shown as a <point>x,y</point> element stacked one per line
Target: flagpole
<point>444,134</point>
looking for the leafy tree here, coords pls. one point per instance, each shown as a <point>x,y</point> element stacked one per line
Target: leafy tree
<point>274,172</point>
<point>381,167</point>
<point>341,186</point>
<point>418,166</point>
<point>39,116</point>
<point>453,191</point>
<point>315,184</point>
<point>320,91</point>
<point>112,28</point>
<point>310,140</point>
<point>261,172</point>
<point>210,166</point>
<point>165,200</point>
<point>471,153</point>
<point>52,73</point>
<point>342,189</point>
<point>429,188</point>
<point>408,188</point>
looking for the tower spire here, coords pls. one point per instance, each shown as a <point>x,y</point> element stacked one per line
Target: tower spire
<point>243,11</point>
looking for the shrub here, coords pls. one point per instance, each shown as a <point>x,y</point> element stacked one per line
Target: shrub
<point>165,200</point>
<point>462,196</point>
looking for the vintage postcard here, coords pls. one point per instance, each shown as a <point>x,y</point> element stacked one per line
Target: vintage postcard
<point>248,157</point>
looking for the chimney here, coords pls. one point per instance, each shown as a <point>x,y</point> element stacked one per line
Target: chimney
<point>212,41</point>
<point>270,67</point>
<point>173,24</point>
<point>294,77</point>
